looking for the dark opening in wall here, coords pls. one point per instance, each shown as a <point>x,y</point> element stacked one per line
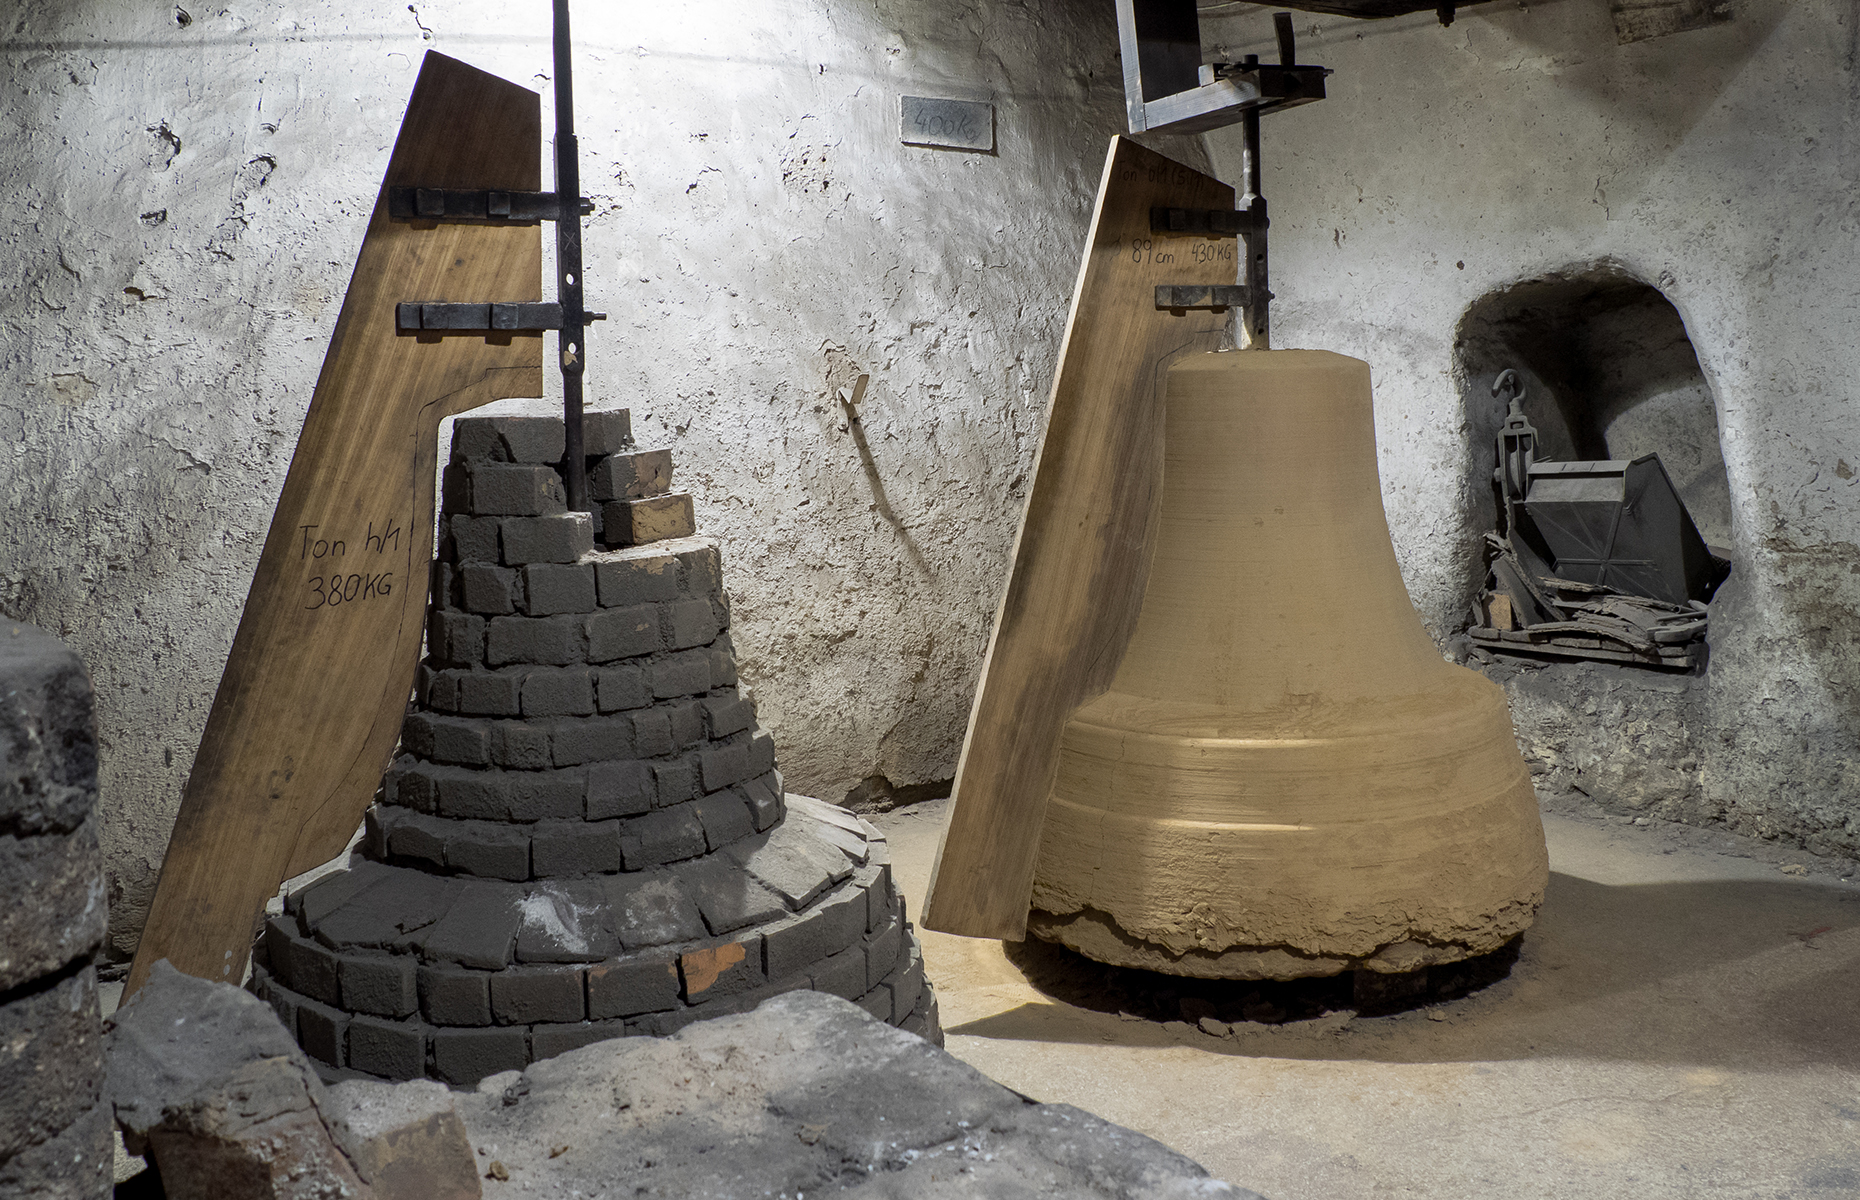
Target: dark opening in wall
<point>1609,373</point>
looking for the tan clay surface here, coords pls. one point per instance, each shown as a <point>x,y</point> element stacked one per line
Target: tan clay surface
<point>1285,777</point>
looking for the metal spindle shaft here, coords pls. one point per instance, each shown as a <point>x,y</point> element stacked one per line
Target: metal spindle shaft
<point>1255,328</point>
<point>571,338</point>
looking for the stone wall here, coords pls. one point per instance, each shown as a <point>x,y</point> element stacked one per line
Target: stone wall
<point>190,183</point>
<point>1717,166</point>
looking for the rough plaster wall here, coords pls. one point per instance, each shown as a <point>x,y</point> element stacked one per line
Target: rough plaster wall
<point>1716,165</point>
<point>189,187</point>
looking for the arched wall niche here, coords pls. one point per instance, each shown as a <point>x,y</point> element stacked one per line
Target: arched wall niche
<point>1610,372</point>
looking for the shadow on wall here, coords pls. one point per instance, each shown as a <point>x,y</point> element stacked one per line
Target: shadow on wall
<point>1609,373</point>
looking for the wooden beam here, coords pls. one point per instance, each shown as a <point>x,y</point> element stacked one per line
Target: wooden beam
<point>1082,554</point>
<point>309,708</point>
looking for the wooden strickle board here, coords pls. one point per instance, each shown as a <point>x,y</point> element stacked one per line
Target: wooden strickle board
<point>1082,554</point>
<point>310,706</point>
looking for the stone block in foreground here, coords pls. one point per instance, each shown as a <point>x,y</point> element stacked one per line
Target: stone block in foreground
<point>805,1094</point>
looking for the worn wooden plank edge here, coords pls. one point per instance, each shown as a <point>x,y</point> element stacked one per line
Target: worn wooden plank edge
<point>983,876</point>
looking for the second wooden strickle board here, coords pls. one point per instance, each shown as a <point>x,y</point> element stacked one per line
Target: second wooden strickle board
<point>1081,556</point>
<point>316,684</point>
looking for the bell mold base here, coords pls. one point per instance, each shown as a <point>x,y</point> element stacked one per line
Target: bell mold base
<point>1097,935</point>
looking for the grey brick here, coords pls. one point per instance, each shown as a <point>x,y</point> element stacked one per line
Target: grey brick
<point>550,588</point>
<point>323,1032</point>
<point>547,1041</point>
<point>629,987</point>
<point>722,971</point>
<point>631,476</point>
<point>761,754</point>
<point>314,901</point>
<point>675,781</point>
<point>661,837</point>
<point>541,795</point>
<point>875,879</point>
<point>490,693</point>
<point>796,867</point>
<point>522,995</point>
<point>383,915</point>
<point>447,739</point>
<point>881,952</point>
<point>521,745</point>
<point>765,801</point>
<point>455,639</point>
<point>454,493</point>
<point>702,570</point>
<point>877,1003</point>
<point>843,975</point>
<point>725,817</point>
<point>797,943</point>
<point>441,585</point>
<point>424,678</point>
<point>381,984</point>
<point>489,850</point>
<point>907,985</point>
<point>623,633</point>
<point>682,674</point>
<point>464,1056</point>
<point>727,714</point>
<point>653,519</point>
<point>522,439</point>
<point>652,733</point>
<point>480,928</point>
<point>390,1049</point>
<point>690,623</point>
<point>622,687</point>
<point>560,848</point>
<point>722,661</point>
<point>474,539</point>
<point>728,898</point>
<point>482,795</point>
<point>652,909</point>
<point>606,431</point>
<point>720,610</point>
<point>562,538</point>
<point>618,789</point>
<point>374,834</point>
<point>725,763</point>
<point>565,922</point>
<point>275,942</point>
<point>451,995</point>
<point>852,845</point>
<point>687,722</point>
<point>558,693</point>
<point>311,970</point>
<point>542,641</point>
<point>488,589</point>
<point>514,489</point>
<point>590,739</point>
<point>634,577</point>
<point>283,1001</point>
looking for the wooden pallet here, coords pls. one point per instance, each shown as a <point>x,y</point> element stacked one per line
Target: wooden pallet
<point>310,705</point>
<point>1082,554</point>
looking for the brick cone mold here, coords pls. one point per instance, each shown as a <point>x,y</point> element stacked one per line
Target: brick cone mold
<point>584,834</point>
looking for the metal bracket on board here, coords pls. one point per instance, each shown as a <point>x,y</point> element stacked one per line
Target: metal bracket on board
<point>1180,298</point>
<point>454,205</point>
<point>524,317</point>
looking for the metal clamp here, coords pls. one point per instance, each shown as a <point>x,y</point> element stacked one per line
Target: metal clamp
<point>1205,222</point>
<point>524,317</point>
<point>1178,297</point>
<point>466,205</point>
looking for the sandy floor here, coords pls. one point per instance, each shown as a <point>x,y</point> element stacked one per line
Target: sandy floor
<point>1683,1021</point>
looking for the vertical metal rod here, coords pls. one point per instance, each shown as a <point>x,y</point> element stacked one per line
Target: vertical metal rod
<point>571,338</point>
<point>1255,331</point>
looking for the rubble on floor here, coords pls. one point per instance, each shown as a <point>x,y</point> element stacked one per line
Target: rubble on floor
<point>807,1094</point>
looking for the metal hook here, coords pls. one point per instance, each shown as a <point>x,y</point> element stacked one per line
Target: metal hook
<point>1509,380</point>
